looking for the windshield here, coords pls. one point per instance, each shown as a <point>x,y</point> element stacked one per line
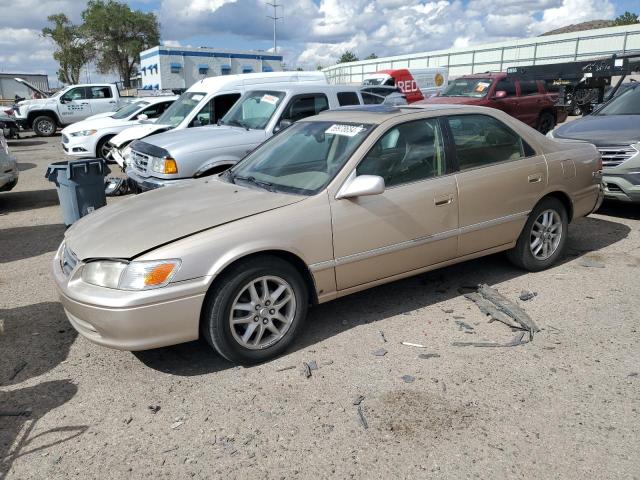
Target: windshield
<point>373,81</point>
<point>467,87</point>
<point>128,110</point>
<point>301,159</point>
<point>179,109</point>
<point>627,103</point>
<point>254,110</point>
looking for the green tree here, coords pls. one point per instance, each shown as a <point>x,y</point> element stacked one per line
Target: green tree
<point>73,50</point>
<point>371,56</point>
<point>627,18</point>
<point>347,56</point>
<point>319,67</point>
<point>120,34</point>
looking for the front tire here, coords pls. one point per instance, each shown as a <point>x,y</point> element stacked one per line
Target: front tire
<point>102,150</point>
<point>255,309</point>
<point>44,126</point>
<point>543,238</point>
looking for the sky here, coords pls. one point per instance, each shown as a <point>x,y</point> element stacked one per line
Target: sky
<point>311,32</point>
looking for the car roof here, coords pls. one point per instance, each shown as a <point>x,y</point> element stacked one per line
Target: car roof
<point>156,99</point>
<point>257,78</point>
<point>377,114</point>
<point>296,88</point>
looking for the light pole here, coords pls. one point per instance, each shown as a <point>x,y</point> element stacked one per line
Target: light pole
<point>275,19</point>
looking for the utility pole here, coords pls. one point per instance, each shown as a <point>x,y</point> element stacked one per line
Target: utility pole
<point>275,19</point>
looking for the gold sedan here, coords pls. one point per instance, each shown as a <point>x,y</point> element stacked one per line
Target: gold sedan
<point>335,204</point>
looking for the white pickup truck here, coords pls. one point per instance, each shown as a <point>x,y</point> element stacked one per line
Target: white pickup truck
<point>69,105</point>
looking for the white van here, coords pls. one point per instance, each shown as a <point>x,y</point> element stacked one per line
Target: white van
<point>206,102</point>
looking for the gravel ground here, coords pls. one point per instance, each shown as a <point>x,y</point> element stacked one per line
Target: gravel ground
<point>564,406</point>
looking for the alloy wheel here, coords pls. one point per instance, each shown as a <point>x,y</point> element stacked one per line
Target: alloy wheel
<point>262,313</point>
<point>46,127</point>
<point>546,233</point>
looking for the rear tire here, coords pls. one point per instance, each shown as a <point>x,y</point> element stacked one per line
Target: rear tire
<point>547,221</point>
<point>546,122</point>
<point>240,322</point>
<point>44,126</point>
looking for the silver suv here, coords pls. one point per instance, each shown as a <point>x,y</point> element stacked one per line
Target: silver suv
<point>177,155</point>
<point>8,167</point>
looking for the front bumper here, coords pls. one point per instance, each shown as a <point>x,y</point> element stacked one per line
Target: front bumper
<point>149,183</point>
<point>8,180</point>
<point>78,146</point>
<point>622,187</point>
<point>131,321</point>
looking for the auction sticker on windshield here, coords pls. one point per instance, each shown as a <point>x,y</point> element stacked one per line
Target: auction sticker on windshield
<point>481,87</point>
<point>346,130</point>
<point>269,99</point>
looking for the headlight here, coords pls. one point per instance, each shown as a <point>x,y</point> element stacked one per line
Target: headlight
<point>83,133</point>
<point>165,165</point>
<point>130,276</point>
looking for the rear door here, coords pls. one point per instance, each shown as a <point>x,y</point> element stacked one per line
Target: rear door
<point>531,102</point>
<point>101,99</point>
<point>500,179</point>
<point>413,223</point>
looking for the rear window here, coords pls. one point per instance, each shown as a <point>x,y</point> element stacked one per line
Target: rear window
<point>348,98</point>
<point>528,87</point>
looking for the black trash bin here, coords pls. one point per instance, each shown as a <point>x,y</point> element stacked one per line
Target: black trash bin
<point>80,186</point>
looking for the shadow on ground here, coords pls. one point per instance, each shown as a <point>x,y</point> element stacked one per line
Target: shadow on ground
<point>19,412</point>
<point>27,200</point>
<point>25,143</point>
<point>19,243</point>
<point>26,166</point>
<point>34,339</point>
<point>620,210</point>
<point>332,318</point>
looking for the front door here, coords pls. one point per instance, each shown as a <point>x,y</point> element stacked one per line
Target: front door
<point>500,179</point>
<point>508,104</point>
<point>413,223</point>
<point>74,105</point>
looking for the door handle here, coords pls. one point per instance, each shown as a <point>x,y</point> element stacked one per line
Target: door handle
<point>535,178</point>
<point>443,200</point>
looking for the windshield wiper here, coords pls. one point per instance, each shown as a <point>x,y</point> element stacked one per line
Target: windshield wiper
<point>237,123</point>
<point>250,179</point>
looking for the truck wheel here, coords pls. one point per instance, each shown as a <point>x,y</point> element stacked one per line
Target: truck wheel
<point>44,126</point>
<point>255,310</point>
<point>102,149</point>
<point>546,122</point>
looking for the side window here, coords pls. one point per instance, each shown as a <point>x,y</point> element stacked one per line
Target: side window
<point>77,93</point>
<point>204,116</point>
<point>305,106</point>
<point>99,92</point>
<point>407,153</point>
<point>528,87</point>
<point>154,111</point>
<point>372,99</point>
<point>483,140</point>
<point>348,98</point>
<point>507,86</point>
<point>222,104</point>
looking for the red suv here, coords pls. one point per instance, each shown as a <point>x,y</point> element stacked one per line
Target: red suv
<point>526,100</point>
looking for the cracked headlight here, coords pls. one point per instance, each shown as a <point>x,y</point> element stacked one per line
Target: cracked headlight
<point>142,275</point>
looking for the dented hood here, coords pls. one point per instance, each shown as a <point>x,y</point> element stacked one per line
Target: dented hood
<point>137,132</point>
<point>144,222</point>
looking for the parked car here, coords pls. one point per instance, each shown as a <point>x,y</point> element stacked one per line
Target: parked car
<point>528,101</point>
<point>337,203</point>
<point>206,102</point>
<point>9,126</point>
<point>8,167</point>
<point>89,138</point>
<point>176,155</point>
<point>614,128</point>
<point>71,104</point>
<point>415,83</point>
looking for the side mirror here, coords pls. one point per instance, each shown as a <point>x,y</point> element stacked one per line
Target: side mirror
<point>142,116</point>
<point>362,185</point>
<point>500,94</point>
<point>64,100</point>
<point>284,123</point>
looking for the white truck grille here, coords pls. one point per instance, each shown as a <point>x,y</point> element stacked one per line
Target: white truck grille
<point>617,155</point>
<point>140,160</point>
